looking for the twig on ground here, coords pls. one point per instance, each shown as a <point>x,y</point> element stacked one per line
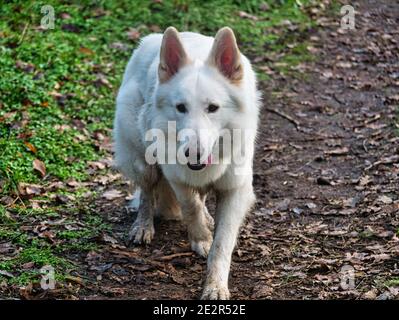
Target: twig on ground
<point>285,116</point>
<point>175,255</point>
<point>24,33</point>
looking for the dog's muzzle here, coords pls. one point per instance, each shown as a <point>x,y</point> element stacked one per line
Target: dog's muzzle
<point>198,165</point>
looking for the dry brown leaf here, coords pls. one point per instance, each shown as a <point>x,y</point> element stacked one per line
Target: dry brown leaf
<point>155,28</point>
<point>365,180</point>
<point>86,51</point>
<point>73,183</point>
<point>109,239</point>
<point>385,199</point>
<point>380,257</point>
<point>370,295</point>
<point>30,146</point>
<point>97,165</point>
<point>261,291</point>
<point>246,15</point>
<point>337,152</point>
<point>133,34</point>
<point>112,194</point>
<point>26,189</point>
<point>344,64</point>
<point>39,165</point>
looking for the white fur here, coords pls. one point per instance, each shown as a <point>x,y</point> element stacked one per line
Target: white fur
<point>145,103</point>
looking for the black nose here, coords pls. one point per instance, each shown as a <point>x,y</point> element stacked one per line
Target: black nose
<point>194,157</point>
<point>194,160</point>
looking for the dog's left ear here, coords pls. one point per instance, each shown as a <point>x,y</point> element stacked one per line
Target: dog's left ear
<point>225,55</point>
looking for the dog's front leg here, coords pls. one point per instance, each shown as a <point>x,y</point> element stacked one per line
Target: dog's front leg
<point>142,230</point>
<point>232,207</point>
<point>195,218</point>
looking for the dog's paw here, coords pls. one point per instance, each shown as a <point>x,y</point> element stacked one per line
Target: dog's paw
<point>215,291</point>
<point>201,247</point>
<point>141,233</point>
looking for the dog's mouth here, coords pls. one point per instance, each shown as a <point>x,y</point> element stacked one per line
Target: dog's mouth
<point>196,166</point>
<point>200,166</point>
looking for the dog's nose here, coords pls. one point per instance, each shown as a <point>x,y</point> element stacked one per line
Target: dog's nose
<point>190,156</point>
<point>194,160</point>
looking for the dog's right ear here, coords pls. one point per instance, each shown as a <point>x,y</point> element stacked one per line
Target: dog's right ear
<point>172,56</point>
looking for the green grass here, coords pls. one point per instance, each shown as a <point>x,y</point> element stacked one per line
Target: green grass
<point>52,98</point>
<point>394,282</point>
<point>40,257</point>
<point>38,248</point>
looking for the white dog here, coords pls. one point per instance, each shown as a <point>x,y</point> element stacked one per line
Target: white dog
<point>204,87</point>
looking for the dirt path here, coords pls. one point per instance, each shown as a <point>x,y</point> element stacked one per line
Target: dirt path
<point>326,177</point>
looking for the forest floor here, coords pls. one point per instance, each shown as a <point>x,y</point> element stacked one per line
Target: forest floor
<point>325,175</point>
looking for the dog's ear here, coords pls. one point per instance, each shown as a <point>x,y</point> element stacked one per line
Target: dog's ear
<point>172,56</point>
<point>225,55</point>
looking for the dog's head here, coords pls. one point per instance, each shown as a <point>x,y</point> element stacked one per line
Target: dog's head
<point>201,97</point>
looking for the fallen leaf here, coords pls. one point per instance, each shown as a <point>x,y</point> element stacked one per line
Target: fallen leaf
<point>262,291</point>
<point>102,81</point>
<point>311,205</point>
<point>112,194</point>
<point>69,27</point>
<point>25,67</point>
<point>297,210</point>
<point>39,166</point>
<point>30,146</point>
<point>327,74</point>
<point>26,189</point>
<point>345,65</point>
<point>380,257</point>
<point>35,204</point>
<point>6,248</point>
<point>119,46</point>
<point>97,165</point>
<point>73,183</point>
<point>155,28</point>
<point>133,34</point>
<point>370,295</point>
<point>385,199</point>
<point>63,198</point>
<point>243,14</point>
<point>6,274</point>
<point>28,265</point>
<point>86,51</point>
<point>109,239</point>
<point>365,180</point>
<point>337,152</point>
<point>65,16</point>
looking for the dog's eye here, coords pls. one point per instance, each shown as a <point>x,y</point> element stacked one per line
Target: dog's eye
<point>181,107</point>
<point>213,108</point>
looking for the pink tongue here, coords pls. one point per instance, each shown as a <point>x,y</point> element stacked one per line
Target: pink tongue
<point>209,160</point>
